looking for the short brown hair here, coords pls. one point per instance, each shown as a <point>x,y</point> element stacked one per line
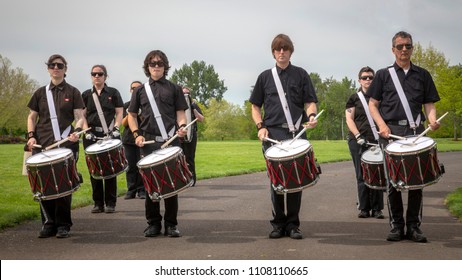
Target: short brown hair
<point>56,56</point>
<point>282,41</point>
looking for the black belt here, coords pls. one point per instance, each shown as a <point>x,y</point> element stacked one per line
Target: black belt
<point>400,122</point>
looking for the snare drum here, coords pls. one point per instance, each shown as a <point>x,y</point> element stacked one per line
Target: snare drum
<point>292,167</point>
<point>52,174</point>
<point>106,159</point>
<point>165,173</point>
<point>372,169</point>
<point>413,165</point>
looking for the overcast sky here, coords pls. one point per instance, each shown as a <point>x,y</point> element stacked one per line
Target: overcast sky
<point>332,38</point>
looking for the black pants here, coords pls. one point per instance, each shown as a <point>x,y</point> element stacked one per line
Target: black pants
<point>368,199</point>
<point>104,190</point>
<point>189,150</point>
<point>281,219</point>
<point>56,213</point>
<point>415,197</point>
<point>134,182</point>
<point>153,215</point>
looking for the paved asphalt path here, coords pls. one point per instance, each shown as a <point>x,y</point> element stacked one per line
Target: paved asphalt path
<point>228,218</point>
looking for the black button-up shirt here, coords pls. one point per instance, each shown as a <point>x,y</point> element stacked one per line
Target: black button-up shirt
<point>169,98</point>
<point>418,87</point>
<point>298,90</point>
<point>109,99</point>
<point>66,98</point>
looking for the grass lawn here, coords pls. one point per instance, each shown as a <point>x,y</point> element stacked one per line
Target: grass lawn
<point>213,159</point>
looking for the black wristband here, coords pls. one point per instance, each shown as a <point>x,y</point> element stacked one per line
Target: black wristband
<point>261,125</point>
<point>116,128</point>
<point>183,125</point>
<point>311,115</point>
<point>78,129</point>
<point>137,133</point>
<point>30,134</point>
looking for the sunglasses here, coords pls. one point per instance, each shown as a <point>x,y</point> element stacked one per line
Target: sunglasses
<point>284,48</point>
<point>156,63</point>
<point>53,65</point>
<point>97,74</point>
<point>401,46</point>
<point>369,78</point>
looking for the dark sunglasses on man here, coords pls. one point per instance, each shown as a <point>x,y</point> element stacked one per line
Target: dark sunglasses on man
<point>156,63</point>
<point>401,46</point>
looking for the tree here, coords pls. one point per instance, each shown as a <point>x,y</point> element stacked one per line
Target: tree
<point>224,121</point>
<point>448,82</point>
<point>15,91</point>
<point>203,81</point>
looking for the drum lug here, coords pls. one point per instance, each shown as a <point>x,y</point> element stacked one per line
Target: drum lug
<point>442,168</point>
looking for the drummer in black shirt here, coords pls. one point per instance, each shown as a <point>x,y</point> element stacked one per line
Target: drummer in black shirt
<point>68,103</point>
<point>104,190</point>
<point>389,114</point>
<point>171,105</point>
<point>301,99</point>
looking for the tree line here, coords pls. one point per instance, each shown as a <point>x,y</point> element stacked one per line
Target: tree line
<point>227,121</point>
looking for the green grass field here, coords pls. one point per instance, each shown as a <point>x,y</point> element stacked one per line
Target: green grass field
<point>213,159</point>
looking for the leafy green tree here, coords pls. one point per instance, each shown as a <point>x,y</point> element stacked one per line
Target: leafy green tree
<point>449,84</point>
<point>224,121</point>
<point>15,91</point>
<point>203,81</point>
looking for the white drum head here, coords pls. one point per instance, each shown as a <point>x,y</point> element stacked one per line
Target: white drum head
<point>285,149</point>
<point>407,145</point>
<point>158,156</point>
<point>49,156</point>
<point>102,146</point>
<point>374,154</point>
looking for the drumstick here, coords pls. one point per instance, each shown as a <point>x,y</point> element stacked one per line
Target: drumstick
<point>149,142</point>
<point>272,140</point>
<point>304,129</point>
<point>428,128</point>
<point>64,140</point>
<point>176,135</point>
<point>397,137</point>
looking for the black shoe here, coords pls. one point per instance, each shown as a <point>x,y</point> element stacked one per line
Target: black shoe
<point>378,214</point>
<point>110,209</point>
<point>363,214</point>
<point>416,235</point>
<point>295,234</point>
<point>142,194</point>
<point>97,209</point>
<point>172,232</point>
<point>395,234</point>
<point>130,195</point>
<point>47,232</point>
<point>277,233</point>
<point>62,233</point>
<point>152,231</point>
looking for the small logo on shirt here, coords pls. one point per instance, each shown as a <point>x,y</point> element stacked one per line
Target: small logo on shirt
<point>110,98</point>
<point>67,99</point>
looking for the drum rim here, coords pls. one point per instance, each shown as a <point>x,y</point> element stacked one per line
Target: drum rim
<point>103,150</point>
<point>275,146</point>
<point>398,142</point>
<point>67,156</point>
<point>168,158</point>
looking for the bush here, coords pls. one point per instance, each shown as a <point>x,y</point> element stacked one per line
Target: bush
<point>11,140</point>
